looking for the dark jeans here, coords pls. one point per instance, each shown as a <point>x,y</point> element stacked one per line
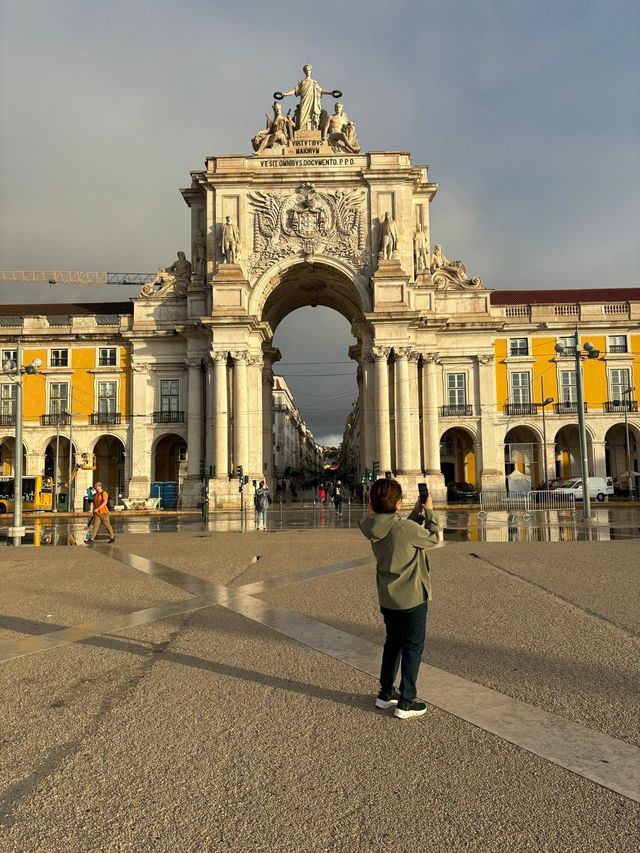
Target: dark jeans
<point>405,640</point>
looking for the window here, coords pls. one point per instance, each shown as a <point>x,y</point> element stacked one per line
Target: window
<point>619,380</point>
<point>520,390</point>
<point>568,386</point>
<point>107,397</point>
<point>8,399</point>
<point>107,357</point>
<point>169,401</point>
<point>618,343</point>
<point>58,398</point>
<point>9,355</point>
<point>569,344</point>
<point>518,346</point>
<point>59,358</point>
<point>456,389</point>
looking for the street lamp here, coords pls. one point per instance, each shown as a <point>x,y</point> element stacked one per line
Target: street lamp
<point>631,476</point>
<point>547,401</point>
<point>590,352</point>
<point>9,366</point>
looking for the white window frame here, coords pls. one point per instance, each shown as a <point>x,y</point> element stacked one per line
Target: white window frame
<point>116,396</point>
<point>8,400</point>
<point>513,341</point>
<point>624,342</point>
<point>454,399</point>
<point>170,396</point>
<point>571,386</point>
<point>61,366</point>
<point>513,386</point>
<point>115,349</point>
<point>9,355</point>
<point>620,398</point>
<point>569,343</point>
<point>50,398</point>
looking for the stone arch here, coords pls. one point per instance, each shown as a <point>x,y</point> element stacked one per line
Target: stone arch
<point>169,458</point>
<point>109,460</point>
<point>7,455</point>
<point>523,452</point>
<point>293,284</point>
<point>458,455</point>
<point>567,451</point>
<point>617,460</point>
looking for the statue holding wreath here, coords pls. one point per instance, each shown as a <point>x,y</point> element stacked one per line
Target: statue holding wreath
<point>309,93</point>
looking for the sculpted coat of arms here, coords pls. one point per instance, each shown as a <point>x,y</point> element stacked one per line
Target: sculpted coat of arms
<point>307,222</point>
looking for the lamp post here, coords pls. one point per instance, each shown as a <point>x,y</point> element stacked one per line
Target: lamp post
<point>590,352</point>
<point>9,366</point>
<point>631,475</point>
<point>545,402</point>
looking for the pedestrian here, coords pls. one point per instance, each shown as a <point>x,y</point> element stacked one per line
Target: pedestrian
<point>262,500</point>
<point>338,497</point>
<point>322,494</point>
<point>100,514</point>
<point>404,589</point>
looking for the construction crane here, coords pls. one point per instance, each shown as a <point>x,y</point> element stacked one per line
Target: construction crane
<point>76,277</point>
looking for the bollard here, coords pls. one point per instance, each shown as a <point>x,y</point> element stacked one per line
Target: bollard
<point>313,514</point>
<point>349,512</point>
<point>280,512</point>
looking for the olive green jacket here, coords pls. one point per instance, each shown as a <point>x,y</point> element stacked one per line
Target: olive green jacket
<point>399,545</point>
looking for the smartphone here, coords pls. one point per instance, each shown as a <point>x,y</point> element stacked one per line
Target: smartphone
<point>423,492</point>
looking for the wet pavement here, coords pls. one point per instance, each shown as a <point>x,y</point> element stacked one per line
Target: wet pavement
<point>459,525</point>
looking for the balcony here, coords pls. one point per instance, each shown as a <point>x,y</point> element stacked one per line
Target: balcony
<point>456,411</point>
<point>618,348</point>
<point>110,418</point>
<point>613,406</point>
<point>521,409</point>
<point>168,417</point>
<point>7,420</point>
<point>56,419</point>
<point>567,408</point>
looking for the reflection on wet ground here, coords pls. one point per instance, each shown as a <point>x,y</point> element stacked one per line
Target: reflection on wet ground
<point>459,525</point>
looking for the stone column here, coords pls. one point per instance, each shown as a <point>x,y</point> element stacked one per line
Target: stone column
<point>254,417</point>
<point>210,409</point>
<point>139,484</point>
<point>222,416</point>
<point>383,445</point>
<point>267,421</point>
<point>403,410</point>
<point>492,444</point>
<point>240,410</point>
<point>430,418</point>
<point>362,454</point>
<point>194,417</point>
<point>368,408</point>
<point>598,460</point>
<point>414,412</point>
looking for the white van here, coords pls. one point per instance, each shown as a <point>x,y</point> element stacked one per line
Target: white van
<point>599,488</point>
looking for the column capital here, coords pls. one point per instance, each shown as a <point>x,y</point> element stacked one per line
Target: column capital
<point>255,359</point>
<point>486,359</point>
<point>431,357</point>
<point>380,352</point>
<point>193,362</point>
<point>140,367</point>
<point>402,352</point>
<point>240,356</point>
<point>219,355</point>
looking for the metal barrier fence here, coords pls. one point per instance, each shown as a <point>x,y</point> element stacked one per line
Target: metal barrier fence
<point>524,502</point>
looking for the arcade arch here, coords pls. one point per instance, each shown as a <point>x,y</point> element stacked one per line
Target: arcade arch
<point>523,453</point>
<point>567,452</point>
<point>109,459</point>
<point>457,456</point>
<point>619,458</point>
<point>7,456</point>
<point>169,459</point>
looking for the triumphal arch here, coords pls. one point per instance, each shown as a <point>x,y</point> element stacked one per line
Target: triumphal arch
<point>307,218</point>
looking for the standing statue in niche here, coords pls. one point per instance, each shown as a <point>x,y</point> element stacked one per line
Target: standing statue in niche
<point>279,131</point>
<point>229,241</point>
<point>200,253</point>
<point>421,249</point>
<point>388,238</point>
<point>339,131</point>
<point>309,92</point>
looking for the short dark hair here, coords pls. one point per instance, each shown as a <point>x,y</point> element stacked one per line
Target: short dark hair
<point>385,495</point>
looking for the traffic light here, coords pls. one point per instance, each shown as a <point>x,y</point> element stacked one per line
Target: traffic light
<point>203,469</point>
<point>240,472</point>
<point>376,469</point>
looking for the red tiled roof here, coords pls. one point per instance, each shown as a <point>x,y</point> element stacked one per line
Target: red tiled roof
<point>552,297</point>
<point>73,309</point>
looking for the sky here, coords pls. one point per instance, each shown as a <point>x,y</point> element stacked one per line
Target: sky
<point>527,113</point>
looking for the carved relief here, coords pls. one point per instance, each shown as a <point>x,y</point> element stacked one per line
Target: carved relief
<point>451,275</point>
<point>308,222</point>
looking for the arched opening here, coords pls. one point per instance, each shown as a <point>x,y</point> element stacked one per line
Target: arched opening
<point>522,455</point>
<point>620,459</point>
<point>567,452</point>
<point>315,395</point>
<point>109,458</point>
<point>56,466</point>
<point>7,457</point>
<point>170,459</point>
<point>457,456</point>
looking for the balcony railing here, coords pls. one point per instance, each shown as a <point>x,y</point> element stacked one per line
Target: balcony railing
<point>7,420</point>
<point>618,348</point>
<point>567,408</point>
<point>57,419</point>
<point>168,417</point>
<point>612,406</point>
<point>456,411</point>
<point>109,418</point>
<point>521,409</point>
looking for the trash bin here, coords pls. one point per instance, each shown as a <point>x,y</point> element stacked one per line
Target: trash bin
<point>63,503</point>
<point>86,504</point>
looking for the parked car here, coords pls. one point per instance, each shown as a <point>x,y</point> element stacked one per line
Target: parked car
<point>459,493</point>
<point>550,485</point>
